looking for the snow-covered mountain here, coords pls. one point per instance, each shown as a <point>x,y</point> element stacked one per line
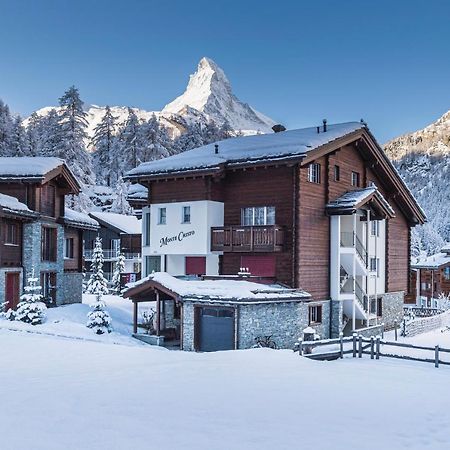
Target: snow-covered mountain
<point>423,159</point>
<point>208,96</point>
<point>209,92</point>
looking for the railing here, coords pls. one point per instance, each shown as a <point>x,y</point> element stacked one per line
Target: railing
<point>421,311</point>
<point>373,346</point>
<point>261,238</point>
<point>107,275</point>
<point>111,254</point>
<point>350,239</point>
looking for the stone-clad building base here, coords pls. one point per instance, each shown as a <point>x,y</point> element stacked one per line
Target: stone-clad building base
<point>72,291</point>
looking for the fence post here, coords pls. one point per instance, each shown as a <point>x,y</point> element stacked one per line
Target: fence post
<point>395,328</point>
<point>360,347</point>
<point>354,345</point>
<point>382,331</point>
<point>372,347</point>
<point>300,347</point>
<point>436,356</point>
<point>377,350</point>
<point>341,345</point>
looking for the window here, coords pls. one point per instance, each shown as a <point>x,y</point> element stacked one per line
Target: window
<point>355,179</point>
<point>447,273</point>
<point>48,283</point>
<point>186,214</point>
<point>315,314</point>
<point>12,233</point>
<point>375,228</point>
<point>337,173</point>
<point>375,265</point>
<point>314,173</point>
<point>48,244</point>
<point>162,213</point>
<point>260,215</point>
<point>152,264</point>
<point>147,229</point>
<point>68,248</point>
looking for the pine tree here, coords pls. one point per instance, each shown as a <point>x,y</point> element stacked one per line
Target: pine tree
<point>131,147</point>
<point>31,309</point>
<point>118,270</point>
<point>72,132</point>
<point>155,139</point>
<point>19,142</point>
<point>6,125</point>
<point>120,204</point>
<point>99,319</point>
<point>103,144</point>
<point>97,283</point>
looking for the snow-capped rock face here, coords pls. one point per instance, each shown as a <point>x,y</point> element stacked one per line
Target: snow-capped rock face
<point>209,92</point>
<point>423,160</point>
<point>207,97</point>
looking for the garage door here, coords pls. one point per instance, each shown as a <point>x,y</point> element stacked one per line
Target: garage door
<point>216,329</point>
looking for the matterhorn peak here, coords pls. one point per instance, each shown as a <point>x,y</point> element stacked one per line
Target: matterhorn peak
<point>209,91</point>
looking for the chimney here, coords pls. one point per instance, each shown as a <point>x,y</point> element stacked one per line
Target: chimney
<point>324,125</point>
<point>318,130</point>
<point>216,148</point>
<point>278,127</point>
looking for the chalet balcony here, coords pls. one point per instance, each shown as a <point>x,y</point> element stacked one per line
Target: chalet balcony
<point>258,238</point>
<point>111,255</point>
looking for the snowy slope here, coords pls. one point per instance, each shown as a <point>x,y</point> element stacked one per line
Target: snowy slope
<point>209,91</point>
<point>423,159</point>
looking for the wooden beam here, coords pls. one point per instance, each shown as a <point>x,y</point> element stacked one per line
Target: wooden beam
<point>158,314</point>
<point>135,313</point>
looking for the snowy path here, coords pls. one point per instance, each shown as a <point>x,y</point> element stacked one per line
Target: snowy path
<point>60,394</point>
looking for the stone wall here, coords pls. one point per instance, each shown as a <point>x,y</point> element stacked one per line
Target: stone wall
<point>392,308</point>
<point>337,311</point>
<point>32,256</point>
<point>72,288</point>
<point>425,324</point>
<point>376,330</point>
<point>3,272</point>
<point>285,322</point>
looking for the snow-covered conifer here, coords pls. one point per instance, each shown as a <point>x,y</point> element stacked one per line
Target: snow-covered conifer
<point>120,203</point>
<point>97,282</point>
<point>31,309</point>
<point>99,319</point>
<point>118,270</point>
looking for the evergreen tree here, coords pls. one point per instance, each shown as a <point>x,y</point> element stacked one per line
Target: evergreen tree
<point>19,141</point>
<point>31,309</point>
<point>72,129</point>
<point>131,147</point>
<point>120,204</point>
<point>156,141</point>
<point>47,135</point>
<point>103,144</point>
<point>97,283</point>
<point>6,125</point>
<point>191,138</point>
<point>99,319</point>
<point>34,133</point>
<point>118,270</point>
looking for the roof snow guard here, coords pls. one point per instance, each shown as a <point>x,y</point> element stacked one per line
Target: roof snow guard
<point>351,201</point>
<point>36,169</point>
<point>213,291</point>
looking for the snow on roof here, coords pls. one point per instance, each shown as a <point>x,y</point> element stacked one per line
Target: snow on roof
<point>432,262</point>
<point>126,224</point>
<point>292,143</point>
<point>11,204</point>
<point>352,199</point>
<point>27,166</point>
<point>79,219</point>
<point>220,290</point>
<point>137,192</point>
<point>446,248</point>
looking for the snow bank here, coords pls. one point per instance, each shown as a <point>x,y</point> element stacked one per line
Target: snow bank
<point>12,204</point>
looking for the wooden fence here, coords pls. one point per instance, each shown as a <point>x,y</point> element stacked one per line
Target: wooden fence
<point>376,347</point>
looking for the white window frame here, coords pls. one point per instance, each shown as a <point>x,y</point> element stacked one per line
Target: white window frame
<point>66,253</point>
<point>268,211</point>
<point>375,265</point>
<point>147,229</point>
<point>375,228</point>
<point>162,219</point>
<point>356,179</point>
<point>314,170</point>
<point>183,214</point>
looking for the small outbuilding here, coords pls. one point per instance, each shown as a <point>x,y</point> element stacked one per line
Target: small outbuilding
<point>225,314</point>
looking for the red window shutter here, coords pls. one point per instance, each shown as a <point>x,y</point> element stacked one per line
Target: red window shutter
<point>262,266</point>
<point>195,265</point>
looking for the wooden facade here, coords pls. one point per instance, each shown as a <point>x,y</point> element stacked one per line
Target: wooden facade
<point>303,260</point>
<point>11,250</point>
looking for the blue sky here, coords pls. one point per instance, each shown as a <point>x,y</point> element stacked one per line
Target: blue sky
<point>296,61</point>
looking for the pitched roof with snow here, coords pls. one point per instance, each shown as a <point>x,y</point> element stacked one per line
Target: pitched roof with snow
<point>352,200</point>
<point>218,290</point>
<point>79,220</point>
<point>10,205</point>
<point>137,192</point>
<point>432,262</point>
<point>121,222</point>
<point>248,149</point>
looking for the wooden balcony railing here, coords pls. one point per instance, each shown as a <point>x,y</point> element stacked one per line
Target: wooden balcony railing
<point>258,238</point>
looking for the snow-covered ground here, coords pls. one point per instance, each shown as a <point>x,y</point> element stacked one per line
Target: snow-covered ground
<point>71,394</point>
